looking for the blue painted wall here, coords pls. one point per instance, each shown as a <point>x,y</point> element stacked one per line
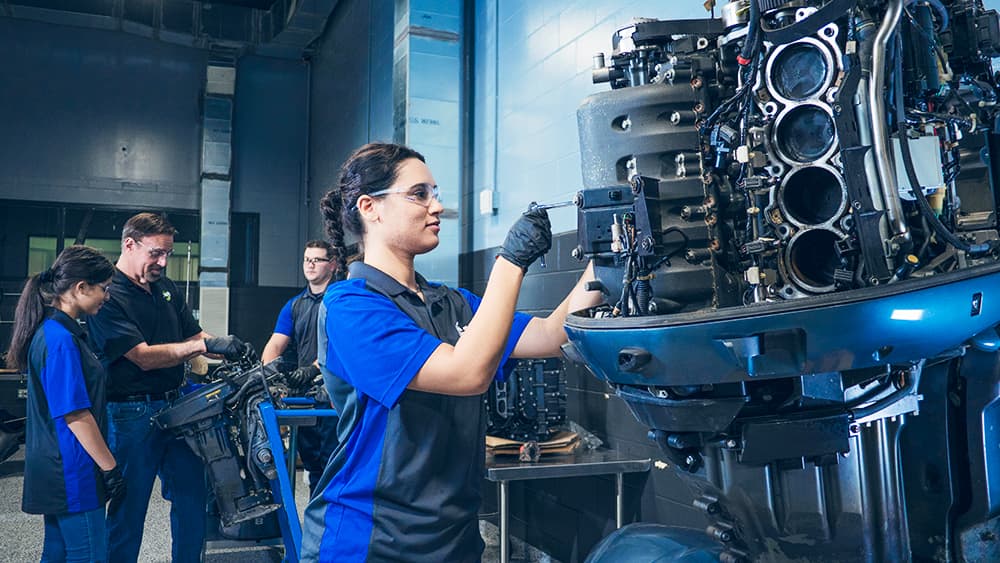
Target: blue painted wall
<point>98,117</point>
<point>428,80</point>
<point>350,93</point>
<point>270,137</point>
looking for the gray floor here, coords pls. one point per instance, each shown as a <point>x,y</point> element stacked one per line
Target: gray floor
<point>520,552</point>
<point>21,534</point>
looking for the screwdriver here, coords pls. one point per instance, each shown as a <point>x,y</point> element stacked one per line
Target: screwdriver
<point>536,206</point>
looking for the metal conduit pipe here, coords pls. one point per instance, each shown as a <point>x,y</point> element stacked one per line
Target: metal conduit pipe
<point>880,137</point>
<point>864,121</point>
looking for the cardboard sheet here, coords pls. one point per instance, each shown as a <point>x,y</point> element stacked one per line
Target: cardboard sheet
<point>563,442</point>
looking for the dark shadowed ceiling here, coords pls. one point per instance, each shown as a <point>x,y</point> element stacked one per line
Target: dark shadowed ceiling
<point>259,4</point>
<point>273,27</point>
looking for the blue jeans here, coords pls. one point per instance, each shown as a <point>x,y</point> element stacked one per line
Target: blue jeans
<point>144,452</point>
<point>75,537</point>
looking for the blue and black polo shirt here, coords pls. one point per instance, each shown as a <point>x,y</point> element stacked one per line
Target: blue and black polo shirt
<point>297,320</point>
<point>134,315</point>
<point>404,484</point>
<point>64,376</point>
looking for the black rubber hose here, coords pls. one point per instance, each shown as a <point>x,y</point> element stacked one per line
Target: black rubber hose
<point>643,294</point>
<point>911,174</point>
<point>753,34</point>
<point>235,398</point>
<point>938,7</point>
<point>222,372</point>
<point>896,396</point>
<point>868,395</point>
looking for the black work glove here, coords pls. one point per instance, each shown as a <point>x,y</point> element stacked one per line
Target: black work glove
<point>318,394</point>
<point>229,347</point>
<point>303,376</point>
<point>114,484</point>
<point>528,239</point>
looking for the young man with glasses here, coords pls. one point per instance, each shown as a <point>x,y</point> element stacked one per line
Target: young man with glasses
<point>294,338</point>
<point>144,334</point>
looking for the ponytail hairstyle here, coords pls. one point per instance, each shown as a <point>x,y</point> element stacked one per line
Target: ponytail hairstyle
<point>369,169</point>
<point>74,264</point>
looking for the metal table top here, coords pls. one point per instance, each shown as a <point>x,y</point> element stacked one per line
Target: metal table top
<point>580,464</point>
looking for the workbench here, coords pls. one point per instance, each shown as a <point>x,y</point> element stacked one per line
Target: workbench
<point>504,469</point>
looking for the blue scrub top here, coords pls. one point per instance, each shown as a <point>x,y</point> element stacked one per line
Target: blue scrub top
<point>404,484</point>
<point>64,375</point>
<point>297,320</point>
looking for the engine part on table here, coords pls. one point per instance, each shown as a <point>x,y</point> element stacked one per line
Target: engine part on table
<point>529,452</point>
<point>793,211</point>
<point>530,403</point>
<point>221,423</point>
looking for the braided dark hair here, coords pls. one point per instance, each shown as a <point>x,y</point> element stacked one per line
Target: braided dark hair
<point>74,264</point>
<point>369,169</point>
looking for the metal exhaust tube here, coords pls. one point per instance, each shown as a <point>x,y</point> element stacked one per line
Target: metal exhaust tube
<point>880,137</point>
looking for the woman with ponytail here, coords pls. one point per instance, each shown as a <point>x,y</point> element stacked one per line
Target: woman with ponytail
<point>69,472</point>
<point>406,362</point>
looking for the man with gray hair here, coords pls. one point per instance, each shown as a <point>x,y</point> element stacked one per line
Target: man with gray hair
<point>144,334</point>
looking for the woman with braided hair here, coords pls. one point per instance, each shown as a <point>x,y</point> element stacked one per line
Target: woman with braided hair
<point>406,362</point>
<point>69,472</point>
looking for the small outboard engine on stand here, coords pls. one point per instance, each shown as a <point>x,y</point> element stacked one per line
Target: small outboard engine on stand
<point>222,425</point>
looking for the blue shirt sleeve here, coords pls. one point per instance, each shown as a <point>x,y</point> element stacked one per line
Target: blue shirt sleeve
<point>520,323</point>
<point>372,344</point>
<point>62,377</point>
<point>285,325</point>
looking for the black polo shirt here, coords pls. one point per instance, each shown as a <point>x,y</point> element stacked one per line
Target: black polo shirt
<point>64,376</point>
<point>403,485</point>
<point>134,315</point>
